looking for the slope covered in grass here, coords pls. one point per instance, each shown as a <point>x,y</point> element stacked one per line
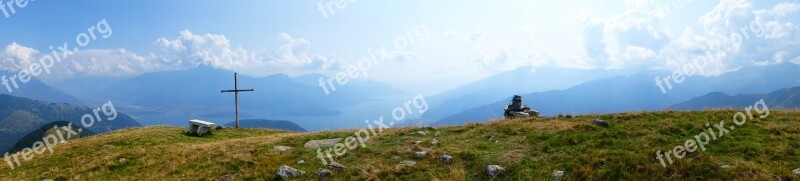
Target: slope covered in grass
<point>529,149</point>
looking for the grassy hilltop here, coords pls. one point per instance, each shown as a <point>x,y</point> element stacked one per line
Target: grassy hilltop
<point>528,149</point>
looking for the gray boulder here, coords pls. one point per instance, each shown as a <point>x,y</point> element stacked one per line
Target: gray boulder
<point>336,166</point>
<point>418,133</point>
<point>438,133</point>
<point>600,122</point>
<point>287,172</point>
<point>434,141</point>
<point>408,163</point>
<point>324,173</point>
<point>796,171</point>
<point>493,170</point>
<point>558,174</point>
<point>447,159</point>
<point>493,139</point>
<point>421,154</point>
<point>227,178</point>
<point>281,148</point>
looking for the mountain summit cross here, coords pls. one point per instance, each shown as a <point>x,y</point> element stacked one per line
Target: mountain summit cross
<point>236,91</point>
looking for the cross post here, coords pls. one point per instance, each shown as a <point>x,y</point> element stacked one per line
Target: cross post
<point>236,91</point>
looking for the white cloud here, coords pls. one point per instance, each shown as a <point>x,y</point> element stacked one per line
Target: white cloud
<point>474,36</point>
<point>17,57</point>
<point>186,51</point>
<point>749,36</point>
<point>629,39</point>
<point>211,49</point>
<point>734,33</point>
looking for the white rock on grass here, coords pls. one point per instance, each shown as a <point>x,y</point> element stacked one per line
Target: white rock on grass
<point>417,142</point>
<point>421,154</point>
<point>314,144</point>
<point>796,171</point>
<point>418,133</point>
<point>434,141</point>
<point>493,139</point>
<point>438,133</point>
<point>281,148</point>
<point>287,172</point>
<point>408,163</point>
<point>558,174</point>
<point>227,178</point>
<point>493,170</point>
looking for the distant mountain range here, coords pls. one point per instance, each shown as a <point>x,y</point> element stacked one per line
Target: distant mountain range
<point>21,116</point>
<point>368,88</point>
<point>269,124</point>
<point>785,98</point>
<point>36,89</point>
<point>519,81</point>
<point>196,91</point>
<point>637,93</point>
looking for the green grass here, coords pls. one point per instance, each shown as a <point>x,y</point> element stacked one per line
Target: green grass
<point>529,149</point>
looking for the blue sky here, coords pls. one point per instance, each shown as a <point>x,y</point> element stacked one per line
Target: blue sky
<point>468,40</point>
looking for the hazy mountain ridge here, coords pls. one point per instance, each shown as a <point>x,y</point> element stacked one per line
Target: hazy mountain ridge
<point>637,93</point>
<point>519,81</point>
<point>785,98</point>
<point>197,90</point>
<point>369,88</point>
<point>38,90</point>
<point>21,116</point>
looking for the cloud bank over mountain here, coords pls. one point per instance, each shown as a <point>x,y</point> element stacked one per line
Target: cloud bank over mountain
<point>642,36</point>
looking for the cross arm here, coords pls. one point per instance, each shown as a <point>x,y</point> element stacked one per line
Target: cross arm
<point>242,90</point>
